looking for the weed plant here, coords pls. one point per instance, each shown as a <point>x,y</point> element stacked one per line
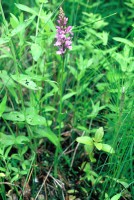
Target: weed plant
<point>66,120</point>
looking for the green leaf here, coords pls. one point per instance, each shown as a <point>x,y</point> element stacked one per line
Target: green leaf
<point>99,135</point>
<point>95,109</point>
<point>107,148</point>
<point>123,40</point>
<point>67,96</point>
<point>6,140</point>
<point>14,116</point>
<point>47,133</point>
<point>2,175</point>
<point>21,140</point>
<point>26,81</point>
<point>36,51</point>
<point>116,197</point>
<point>98,145</point>
<point>34,119</point>
<point>15,178</point>
<point>89,150</point>
<point>4,40</point>
<point>8,149</point>
<point>85,140</point>
<point>14,21</point>
<point>48,108</point>
<point>26,9</point>
<point>22,26</point>
<point>3,105</point>
<point>105,37</point>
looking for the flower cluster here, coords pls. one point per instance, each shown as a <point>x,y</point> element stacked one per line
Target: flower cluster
<point>64,34</point>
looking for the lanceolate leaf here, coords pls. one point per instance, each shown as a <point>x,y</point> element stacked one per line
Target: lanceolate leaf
<point>67,96</point>
<point>116,197</point>
<point>107,148</point>
<point>34,119</point>
<point>99,134</point>
<point>98,145</point>
<point>123,40</point>
<point>26,81</point>
<point>3,105</point>
<point>85,140</point>
<point>47,133</point>
<point>14,116</point>
<point>26,9</point>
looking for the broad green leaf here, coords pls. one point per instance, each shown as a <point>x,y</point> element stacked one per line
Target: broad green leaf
<point>26,81</point>
<point>34,119</point>
<point>67,96</point>
<point>107,148</point>
<point>14,116</point>
<point>99,134</point>
<point>36,51</point>
<point>26,9</point>
<point>47,133</point>
<point>3,105</point>
<point>98,145</point>
<point>116,197</point>
<point>36,77</point>
<point>123,40</point>
<point>85,140</point>
<point>6,140</point>
<point>21,139</point>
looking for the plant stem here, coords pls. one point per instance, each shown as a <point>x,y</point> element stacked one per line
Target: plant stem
<point>61,87</point>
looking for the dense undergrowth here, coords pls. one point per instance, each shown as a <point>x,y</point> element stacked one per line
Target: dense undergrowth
<point>66,122</point>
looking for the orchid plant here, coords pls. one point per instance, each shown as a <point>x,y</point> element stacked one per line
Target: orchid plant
<point>64,34</point>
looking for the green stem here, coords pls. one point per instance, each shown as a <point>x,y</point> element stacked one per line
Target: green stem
<point>59,148</point>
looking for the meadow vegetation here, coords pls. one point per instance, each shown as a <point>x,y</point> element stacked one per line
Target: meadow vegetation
<point>66,100</point>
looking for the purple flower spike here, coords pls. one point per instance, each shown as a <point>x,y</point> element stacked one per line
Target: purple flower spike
<point>64,34</point>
